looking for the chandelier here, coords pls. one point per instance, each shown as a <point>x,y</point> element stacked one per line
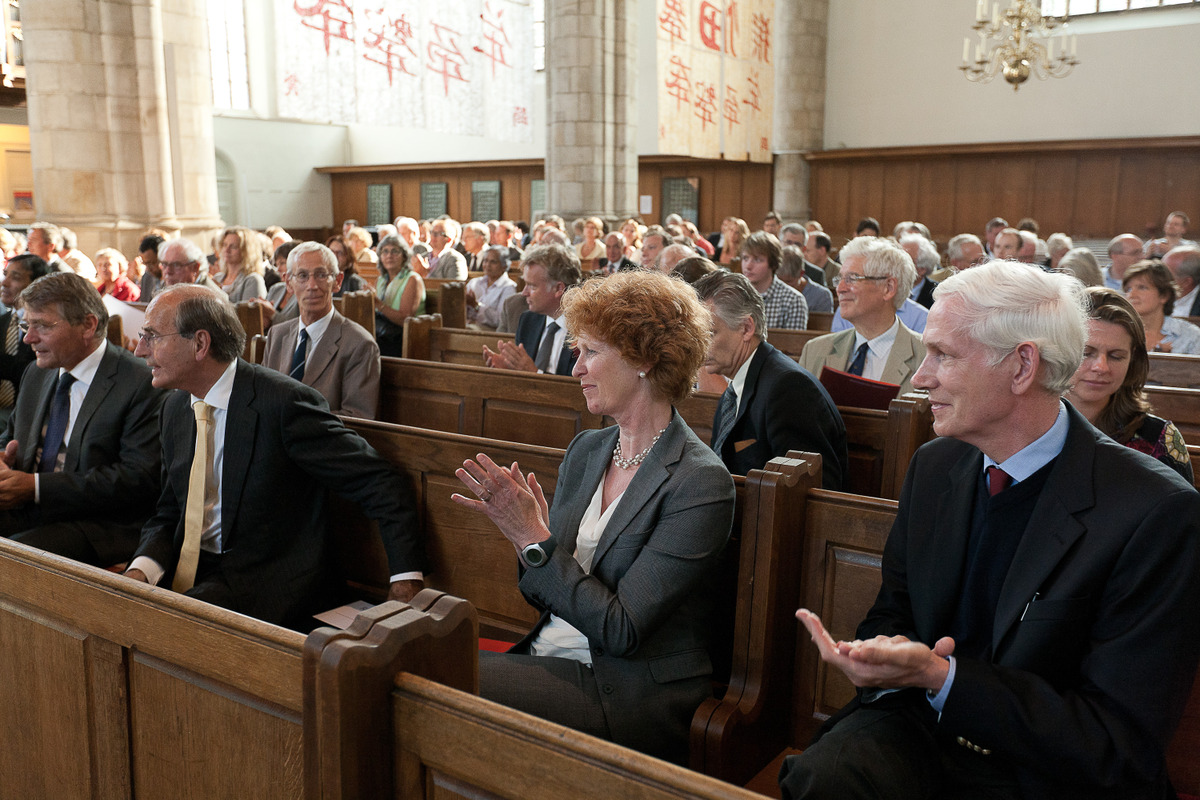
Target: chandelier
<point>1016,43</point>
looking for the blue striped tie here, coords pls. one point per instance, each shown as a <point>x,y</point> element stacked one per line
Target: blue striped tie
<point>299,357</point>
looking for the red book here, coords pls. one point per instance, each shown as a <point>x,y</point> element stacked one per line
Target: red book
<point>857,391</point>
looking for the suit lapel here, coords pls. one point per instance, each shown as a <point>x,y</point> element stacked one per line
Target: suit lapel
<point>899,366</point>
<point>242,419</point>
<point>750,388</point>
<point>102,383</point>
<point>1052,528</point>
<point>652,474</point>
<point>938,559</point>
<point>33,434</point>
<point>322,355</point>
<point>593,472</point>
<point>841,349</point>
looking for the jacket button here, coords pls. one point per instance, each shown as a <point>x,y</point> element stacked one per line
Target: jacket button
<point>608,689</point>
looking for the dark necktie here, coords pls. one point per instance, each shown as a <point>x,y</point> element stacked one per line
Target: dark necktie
<point>860,360</point>
<point>998,481</point>
<point>12,336</point>
<point>56,425</point>
<point>546,348</point>
<point>299,357</point>
<point>726,414</point>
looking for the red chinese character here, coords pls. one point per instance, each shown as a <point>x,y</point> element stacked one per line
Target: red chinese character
<point>760,47</point>
<point>336,19</point>
<point>755,93</point>
<point>712,19</point>
<point>496,38</point>
<point>385,42</point>
<point>679,82</point>
<point>731,106</point>
<point>447,60</point>
<point>520,115</point>
<point>293,85</point>
<point>673,21</point>
<point>763,144</point>
<point>706,104</point>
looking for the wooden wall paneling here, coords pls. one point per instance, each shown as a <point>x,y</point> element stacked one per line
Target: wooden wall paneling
<point>830,199</point>
<point>650,183</point>
<point>1140,196</point>
<point>1096,196</point>
<point>973,194</point>
<point>1012,188</point>
<point>1053,198</point>
<point>1181,188</point>
<point>901,180</point>
<point>936,194</point>
<point>865,190</point>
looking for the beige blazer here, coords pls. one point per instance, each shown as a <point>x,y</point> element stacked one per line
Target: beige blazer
<point>836,349</point>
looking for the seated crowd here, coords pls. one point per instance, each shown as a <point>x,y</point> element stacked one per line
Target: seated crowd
<point>105,464</point>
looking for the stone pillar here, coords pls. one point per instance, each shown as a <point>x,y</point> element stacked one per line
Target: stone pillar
<point>120,118</point>
<point>591,144</point>
<point>800,38</point>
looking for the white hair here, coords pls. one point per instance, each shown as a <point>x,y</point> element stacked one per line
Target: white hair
<point>1005,303</point>
<point>884,258</point>
<point>927,258</point>
<point>954,246</point>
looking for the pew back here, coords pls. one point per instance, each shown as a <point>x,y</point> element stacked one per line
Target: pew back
<point>358,307</point>
<point>1175,369</point>
<point>1181,406</point>
<point>448,298</point>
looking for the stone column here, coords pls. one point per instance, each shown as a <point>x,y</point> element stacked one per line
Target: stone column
<point>591,144</point>
<point>800,37</point>
<point>120,117</point>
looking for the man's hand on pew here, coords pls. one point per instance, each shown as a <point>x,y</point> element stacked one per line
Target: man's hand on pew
<point>137,575</point>
<point>894,662</point>
<point>404,591</point>
<point>511,356</point>
<point>16,488</point>
<point>516,503</point>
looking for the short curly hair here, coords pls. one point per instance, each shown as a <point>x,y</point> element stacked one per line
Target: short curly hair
<point>651,319</point>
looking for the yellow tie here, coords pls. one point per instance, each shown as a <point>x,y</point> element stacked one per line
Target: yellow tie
<point>193,517</point>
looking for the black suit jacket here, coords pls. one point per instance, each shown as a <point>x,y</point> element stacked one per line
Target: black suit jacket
<point>784,408</point>
<point>1095,638</point>
<point>529,333</point>
<point>284,452</point>
<point>111,472</point>
<point>925,296</point>
<point>623,265</point>
<point>814,273</point>
<point>13,366</point>
<point>1195,310</point>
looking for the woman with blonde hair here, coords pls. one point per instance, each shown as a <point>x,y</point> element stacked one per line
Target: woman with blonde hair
<point>241,264</point>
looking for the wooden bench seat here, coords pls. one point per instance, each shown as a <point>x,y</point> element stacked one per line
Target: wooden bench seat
<point>1181,406</point>
<point>449,299</point>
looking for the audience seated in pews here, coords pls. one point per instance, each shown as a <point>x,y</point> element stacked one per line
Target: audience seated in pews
<point>249,457</point>
<point>876,275</point>
<point>320,347</point>
<point>541,337</point>
<point>622,564</point>
<point>241,268</point>
<point>1152,291</point>
<point>16,354</point>
<point>771,404</point>
<point>486,294</point>
<point>399,294</point>
<point>1108,386</point>
<point>80,470</point>
<point>1015,665</point>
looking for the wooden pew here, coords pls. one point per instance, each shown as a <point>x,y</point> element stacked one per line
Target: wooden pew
<point>820,321</point>
<point>251,317</point>
<point>1181,406</point>
<point>790,341</point>
<point>426,339</point>
<point>1174,369</point>
<point>358,307</point>
<point>448,298</point>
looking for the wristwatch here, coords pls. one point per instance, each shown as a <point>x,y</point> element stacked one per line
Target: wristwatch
<point>533,555</point>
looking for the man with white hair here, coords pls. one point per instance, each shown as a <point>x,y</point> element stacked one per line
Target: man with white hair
<point>614,251</point>
<point>925,258</point>
<point>875,274</point>
<point>1123,251</point>
<point>963,252</point>
<point>1184,264</point>
<point>474,239</point>
<point>672,255</point>
<point>1036,574</point>
<point>793,234</point>
<point>1027,252</point>
<point>183,261</point>
<point>446,263</point>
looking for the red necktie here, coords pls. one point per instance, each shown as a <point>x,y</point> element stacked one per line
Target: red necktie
<point>998,481</point>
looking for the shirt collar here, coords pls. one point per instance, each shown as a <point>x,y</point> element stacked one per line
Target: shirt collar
<point>85,370</point>
<point>881,344</point>
<point>1032,457</point>
<point>218,395</point>
<point>318,328</point>
<point>739,378</point>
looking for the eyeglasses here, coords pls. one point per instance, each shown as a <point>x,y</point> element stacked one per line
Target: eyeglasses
<point>174,265</point>
<point>303,276</point>
<point>40,328</point>
<point>150,337</point>
<point>854,280</point>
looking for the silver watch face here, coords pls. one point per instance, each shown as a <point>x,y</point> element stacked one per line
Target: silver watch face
<point>534,555</point>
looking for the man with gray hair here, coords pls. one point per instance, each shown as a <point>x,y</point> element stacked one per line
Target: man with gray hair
<point>672,255</point>
<point>183,261</point>
<point>250,457</point>
<point>875,275</point>
<point>321,348</point>
<point>80,468</point>
<point>771,405</point>
<point>1123,251</point>
<point>963,252</point>
<point>44,241</point>
<point>474,239</point>
<point>1184,264</point>
<point>73,257</point>
<point>445,262</point>
<point>793,234</point>
<point>541,337</point>
<point>925,258</point>
<point>1036,574</point>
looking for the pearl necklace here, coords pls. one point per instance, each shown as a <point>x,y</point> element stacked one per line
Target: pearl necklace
<point>626,463</point>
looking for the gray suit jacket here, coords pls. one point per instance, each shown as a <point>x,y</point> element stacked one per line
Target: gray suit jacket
<point>835,350</point>
<point>344,366</point>
<point>646,607</point>
<point>451,266</point>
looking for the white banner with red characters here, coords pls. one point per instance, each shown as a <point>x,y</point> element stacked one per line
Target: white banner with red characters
<point>716,78</point>
<point>454,66</point>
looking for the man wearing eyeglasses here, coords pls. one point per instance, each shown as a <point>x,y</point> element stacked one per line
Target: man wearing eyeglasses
<point>80,469</point>
<point>876,278</point>
<point>15,355</point>
<point>321,348</point>
<point>1123,251</point>
<point>446,263</point>
<point>183,261</point>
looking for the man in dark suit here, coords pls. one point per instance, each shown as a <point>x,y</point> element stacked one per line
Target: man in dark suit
<point>924,255</point>
<point>1184,264</point>
<point>794,234</point>
<point>80,469</point>
<point>321,348</point>
<point>1035,634</point>
<point>15,354</point>
<point>615,259</point>
<point>257,515</point>
<point>772,405</point>
<point>541,336</point>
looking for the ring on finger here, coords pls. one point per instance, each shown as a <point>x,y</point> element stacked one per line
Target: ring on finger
<point>486,496</point>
